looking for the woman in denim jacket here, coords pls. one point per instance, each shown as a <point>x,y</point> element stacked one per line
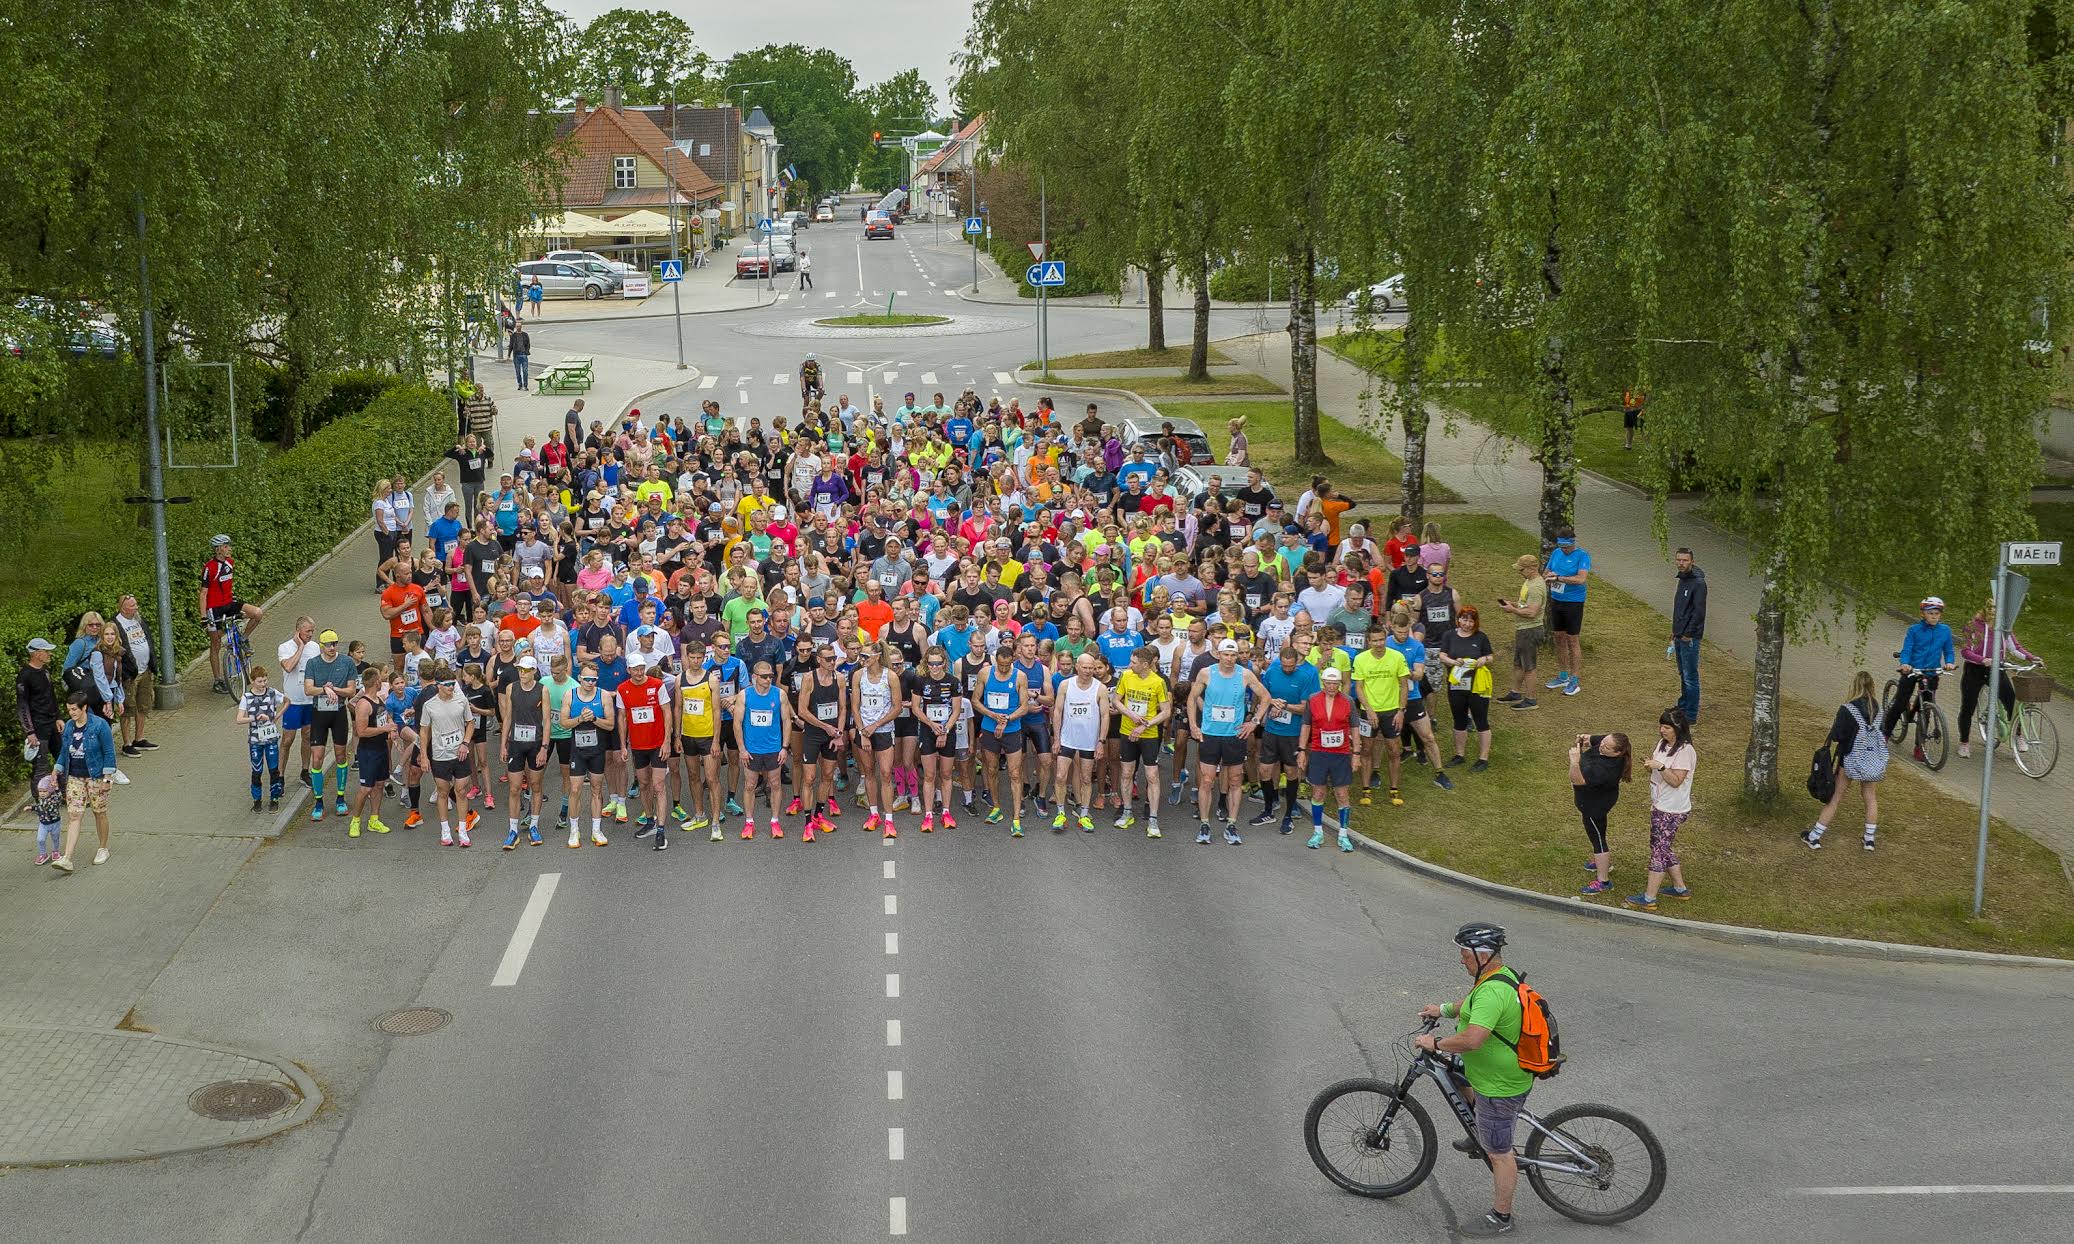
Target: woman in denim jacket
<point>86,763</point>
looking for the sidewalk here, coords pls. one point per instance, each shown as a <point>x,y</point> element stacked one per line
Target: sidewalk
<point>78,952</point>
<point>1496,475</point>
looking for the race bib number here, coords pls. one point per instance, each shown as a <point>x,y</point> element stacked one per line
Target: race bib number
<point>487,567</point>
<point>1252,600</point>
<point>328,701</point>
<point>1080,710</point>
<point>507,505</point>
<point>1223,714</point>
<point>1285,718</point>
<point>762,718</point>
<point>643,715</point>
<point>799,679</point>
<point>1333,738</point>
<point>696,704</point>
<point>1139,708</point>
<point>997,701</point>
<point>1367,728</point>
<point>525,734</point>
<point>450,741</point>
<point>1461,676</point>
<point>267,732</point>
<point>827,712</point>
<point>408,617</point>
<point>888,580</point>
<point>938,713</point>
<point>586,738</point>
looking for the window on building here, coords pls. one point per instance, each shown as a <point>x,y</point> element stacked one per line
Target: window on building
<point>622,172</point>
<point>705,149</point>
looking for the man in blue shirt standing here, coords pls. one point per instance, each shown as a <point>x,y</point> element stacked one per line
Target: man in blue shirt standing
<point>1926,650</point>
<point>1567,571</point>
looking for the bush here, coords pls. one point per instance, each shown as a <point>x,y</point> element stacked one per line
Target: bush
<point>285,512</point>
<point>1014,260</point>
<point>1247,279</point>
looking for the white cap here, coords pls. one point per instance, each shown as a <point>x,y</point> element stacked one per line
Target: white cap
<point>1229,645</point>
<point>635,662</point>
<point>777,513</point>
<point>1329,674</point>
<point>528,663</point>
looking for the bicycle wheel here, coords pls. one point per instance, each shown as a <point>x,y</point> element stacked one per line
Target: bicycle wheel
<point>1343,1131</point>
<point>2040,739</point>
<point>1931,734</point>
<point>1889,697</point>
<point>1631,1164</point>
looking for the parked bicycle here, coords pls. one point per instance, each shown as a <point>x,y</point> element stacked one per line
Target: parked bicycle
<point>1933,733</point>
<point>2034,741</point>
<point>1589,1162</point>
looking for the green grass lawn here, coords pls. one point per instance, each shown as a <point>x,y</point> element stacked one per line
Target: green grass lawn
<point>1231,384</point>
<point>882,321</point>
<point>1172,356</point>
<point>1516,823</point>
<point>1365,470</point>
<point>2047,624</point>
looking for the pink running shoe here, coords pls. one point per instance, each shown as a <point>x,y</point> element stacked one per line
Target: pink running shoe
<point>949,821</point>
<point>835,807</point>
<point>748,830</point>
<point>792,809</point>
<point>809,835</point>
<point>928,824</point>
<point>890,831</point>
<point>871,822</point>
<point>777,830</point>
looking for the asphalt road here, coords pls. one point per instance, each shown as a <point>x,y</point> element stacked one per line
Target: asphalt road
<point>1100,1037</point>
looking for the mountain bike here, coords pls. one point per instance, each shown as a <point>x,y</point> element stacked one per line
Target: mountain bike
<point>2034,740</point>
<point>1933,734</point>
<point>1590,1163</point>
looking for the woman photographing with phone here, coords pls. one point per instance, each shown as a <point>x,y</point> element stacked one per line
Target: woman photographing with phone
<point>1599,763</point>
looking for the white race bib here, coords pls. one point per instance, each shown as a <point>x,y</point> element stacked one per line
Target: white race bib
<point>1367,728</point>
<point>997,701</point>
<point>1080,710</point>
<point>1285,718</point>
<point>1252,600</point>
<point>1223,714</point>
<point>328,701</point>
<point>938,713</point>
<point>827,712</point>
<point>1460,676</point>
<point>450,741</point>
<point>761,718</point>
<point>643,714</point>
<point>888,580</point>
<point>525,733</point>
<point>1138,707</point>
<point>487,567</point>
<point>408,617</point>
<point>586,738</point>
<point>1333,739</point>
<point>266,732</point>
<point>695,704</point>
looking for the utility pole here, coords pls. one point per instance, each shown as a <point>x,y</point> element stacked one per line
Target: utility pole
<point>1043,316</point>
<point>676,286</point>
<point>155,486</point>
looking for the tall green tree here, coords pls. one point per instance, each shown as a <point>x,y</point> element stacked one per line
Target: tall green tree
<point>903,104</point>
<point>814,106</point>
<point>646,53</point>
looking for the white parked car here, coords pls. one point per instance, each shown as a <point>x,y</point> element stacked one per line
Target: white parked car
<point>578,257</point>
<point>1385,295</point>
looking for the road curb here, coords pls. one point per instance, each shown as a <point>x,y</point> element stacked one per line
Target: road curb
<point>759,305</point>
<point>1150,410</point>
<point>312,1098</point>
<point>1813,943</point>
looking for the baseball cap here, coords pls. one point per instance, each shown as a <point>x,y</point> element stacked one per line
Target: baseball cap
<point>528,663</point>
<point>535,572</point>
<point>636,662</point>
<point>817,603</point>
<point>1229,645</point>
<point>714,508</point>
<point>778,513</point>
<point>327,637</point>
<point>40,644</point>
<point>1329,674</point>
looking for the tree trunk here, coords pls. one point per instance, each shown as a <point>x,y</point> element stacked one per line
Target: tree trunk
<point>1156,303</point>
<point>1412,400</point>
<point>1303,357</point>
<point>1199,334</point>
<point>1558,450</point>
<point>1761,758</point>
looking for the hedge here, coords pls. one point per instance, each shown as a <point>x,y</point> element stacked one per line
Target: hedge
<point>285,512</point>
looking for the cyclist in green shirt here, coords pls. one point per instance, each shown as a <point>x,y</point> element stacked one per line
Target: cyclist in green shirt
<point>1492,1068</point>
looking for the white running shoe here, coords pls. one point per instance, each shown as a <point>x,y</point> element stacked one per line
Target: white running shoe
<point>121,778</point>
<point>101,856</point>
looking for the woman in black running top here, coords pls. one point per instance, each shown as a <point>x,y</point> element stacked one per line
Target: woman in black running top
<point>941,706</point>
<point>823,704</point>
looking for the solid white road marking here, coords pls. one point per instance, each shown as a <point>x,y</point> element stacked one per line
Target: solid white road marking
<point>892,905</point>
<point>742,397</point>
<point>896,1144</point>
<point>896,1087</point>
<point>707,382</point>
<point>897,1216</point>
<point>528,928</point>
<point>1938,1190</point>
<point>900,293</point>
<point>892,943</point>
<point>854,377</point>
<point>892,1032</point>
<point>889,870</point>
<point>745,382</point>
<point>891,376</point>
<point>780,378</point>
<point>928,377</point>
<point>892,984</point>
<point>1002,377</point>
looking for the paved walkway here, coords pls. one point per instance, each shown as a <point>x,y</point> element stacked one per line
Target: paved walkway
<point>77,952</point>
<point>1496,475</point>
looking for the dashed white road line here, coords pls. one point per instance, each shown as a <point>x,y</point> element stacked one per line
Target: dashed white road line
<point>828,295</point>
<point>521,943</point>
<point>889,870</point>
<point>1002,377</point>
<point>854,377</point>
<point>892,942</point>
<point>896,1144</point>
<point>892,984</point>
<point>707,382</point>
<point>896,1216</point>
<point>891,376</point>
<point>780,378</point>
<point>892,905</point>
<point>892,1032</point>
<point>896,1087</point>
<point>900,293</point>
<point>928,377</point>
<point>742,397</point>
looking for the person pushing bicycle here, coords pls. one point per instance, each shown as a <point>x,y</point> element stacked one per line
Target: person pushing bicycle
<point>1492,1068</point>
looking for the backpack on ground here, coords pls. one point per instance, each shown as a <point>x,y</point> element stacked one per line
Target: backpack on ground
<point>1540,1046</point>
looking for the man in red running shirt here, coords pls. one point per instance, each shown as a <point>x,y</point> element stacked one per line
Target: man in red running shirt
<point>644,703</point>
<point>1327,734</point>
<point>403,604</point>
<point>220,603</point>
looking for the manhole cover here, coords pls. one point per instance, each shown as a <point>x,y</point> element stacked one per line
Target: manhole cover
<point>413,1021</point>
<point>241,1101</point>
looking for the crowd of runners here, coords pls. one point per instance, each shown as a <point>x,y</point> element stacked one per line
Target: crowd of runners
<point>946,610</point>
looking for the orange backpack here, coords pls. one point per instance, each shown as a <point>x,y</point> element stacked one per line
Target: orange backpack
<point>1540,1045</point>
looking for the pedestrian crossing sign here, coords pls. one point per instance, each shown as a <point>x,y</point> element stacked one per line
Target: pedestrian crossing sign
<point>975,226</point>
<point>673,270</point>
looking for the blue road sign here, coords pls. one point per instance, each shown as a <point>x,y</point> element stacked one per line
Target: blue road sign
<point>975,225</point>
<point>673,270</point>
<point>1047,275</point>
<point>763,224</point>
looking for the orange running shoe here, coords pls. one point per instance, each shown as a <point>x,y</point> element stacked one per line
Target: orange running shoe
<point>413,820</point>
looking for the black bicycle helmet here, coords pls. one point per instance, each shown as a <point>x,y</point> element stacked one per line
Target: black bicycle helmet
<point>1480,935</point>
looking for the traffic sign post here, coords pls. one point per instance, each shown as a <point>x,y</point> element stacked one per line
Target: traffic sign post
<point>1046,274</point>
<point>2009,593</point>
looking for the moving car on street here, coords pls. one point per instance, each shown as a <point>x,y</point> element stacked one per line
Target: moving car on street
<point>878,225</point>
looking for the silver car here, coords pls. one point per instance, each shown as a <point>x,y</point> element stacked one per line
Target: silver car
<point>568,280</point>
<point>1137,428</point>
